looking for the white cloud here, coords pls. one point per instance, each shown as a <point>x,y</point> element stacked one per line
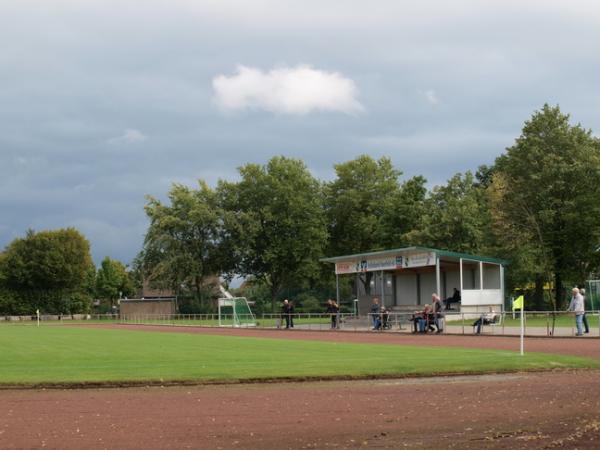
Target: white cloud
<point>129,136</point>
<point>431,97</point>
<point>287,90</point>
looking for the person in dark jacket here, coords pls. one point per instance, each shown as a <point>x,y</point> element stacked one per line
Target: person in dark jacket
<point>290,315</point>
<point>375,312</point>
<point>286,313</point>
<point>385,319</point>
<point>333,310</point>
<point>438,316</point>
<point>415,318</point>
<point>454,299</point>
<point>586,325</point>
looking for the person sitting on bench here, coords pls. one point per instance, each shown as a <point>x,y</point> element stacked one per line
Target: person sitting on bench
<point>382,320</point>
<point>485,319</point>
<point>416,316</point>
<point>454,299</point>
<point>426,320</point>
<point>385,319</point>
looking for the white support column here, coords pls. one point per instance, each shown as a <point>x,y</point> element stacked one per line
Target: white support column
<point>438,284</point>
<point>480,275</point>
<point>382,290</point>
<point>461,274</point>
<point>502,285</point>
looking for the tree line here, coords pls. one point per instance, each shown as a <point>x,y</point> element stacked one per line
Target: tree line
<point>53,272</point>
<point>535,206</point>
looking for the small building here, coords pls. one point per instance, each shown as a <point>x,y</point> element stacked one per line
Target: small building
<point>150,301</point>
<point>138,307</point>
<point>405,278</point>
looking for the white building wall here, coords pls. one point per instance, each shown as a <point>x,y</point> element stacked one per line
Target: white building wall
<point>491,276</point>
<point>452,281</point>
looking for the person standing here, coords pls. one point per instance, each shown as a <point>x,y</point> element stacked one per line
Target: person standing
<point>332,310</point>
<point>576,306</point>
<point>285,312</point>
<point>291,311</point>
<point>375,311</point>
<point>438,316</point>
<point>586,325</point>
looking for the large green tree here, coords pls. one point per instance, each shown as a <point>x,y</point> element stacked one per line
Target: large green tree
<point>357,201</point>
<point>46,270</point>
<point>455,217</point>
<point>113,281</point>
<point>281,232</point>
<point>544,198</point>
<point>186,242</point>
<point>405,213</point>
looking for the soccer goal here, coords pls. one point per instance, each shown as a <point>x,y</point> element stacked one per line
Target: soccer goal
<point>235,312</point>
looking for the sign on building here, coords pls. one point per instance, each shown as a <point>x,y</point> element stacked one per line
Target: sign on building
<point>385,263</point>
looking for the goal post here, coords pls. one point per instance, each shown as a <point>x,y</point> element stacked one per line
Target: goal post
<point>593,293</point>
<point>235,312</point>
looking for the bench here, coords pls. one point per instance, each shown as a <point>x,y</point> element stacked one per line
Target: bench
<point>493,322</point>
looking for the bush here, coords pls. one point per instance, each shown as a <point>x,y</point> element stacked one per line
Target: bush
<point>11,305</point>
<point>307,303</point>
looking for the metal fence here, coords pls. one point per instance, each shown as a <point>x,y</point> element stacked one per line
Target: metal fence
<point>536,323</point>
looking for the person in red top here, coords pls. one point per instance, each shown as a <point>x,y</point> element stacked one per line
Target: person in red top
<point>425,322</point>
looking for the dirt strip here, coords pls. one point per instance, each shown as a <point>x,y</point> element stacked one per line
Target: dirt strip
<point>566,346</point>
<point>533,411</point>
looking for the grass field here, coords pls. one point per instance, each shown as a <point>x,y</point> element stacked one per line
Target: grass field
<point>536,321</point>
<point>72,355</point>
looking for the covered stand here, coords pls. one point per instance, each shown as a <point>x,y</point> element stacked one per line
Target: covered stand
<point>405,278</point>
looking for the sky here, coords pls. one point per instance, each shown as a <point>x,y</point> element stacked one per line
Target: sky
<point>105,102</point>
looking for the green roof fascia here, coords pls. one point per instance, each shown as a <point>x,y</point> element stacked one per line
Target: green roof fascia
<point>439,252</point>
<point>458,255</point>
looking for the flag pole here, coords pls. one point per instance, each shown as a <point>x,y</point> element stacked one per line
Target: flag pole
<point>522,328</point>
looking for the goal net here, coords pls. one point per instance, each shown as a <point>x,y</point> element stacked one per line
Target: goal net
<point>592,298</point>
<point>235,312</point>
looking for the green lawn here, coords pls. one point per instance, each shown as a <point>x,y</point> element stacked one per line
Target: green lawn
<point>68,354</point>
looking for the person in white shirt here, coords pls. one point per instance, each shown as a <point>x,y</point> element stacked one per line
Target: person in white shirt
<point>576,306</point>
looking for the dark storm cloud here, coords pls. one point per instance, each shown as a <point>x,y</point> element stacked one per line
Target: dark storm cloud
<point>104,102</point>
